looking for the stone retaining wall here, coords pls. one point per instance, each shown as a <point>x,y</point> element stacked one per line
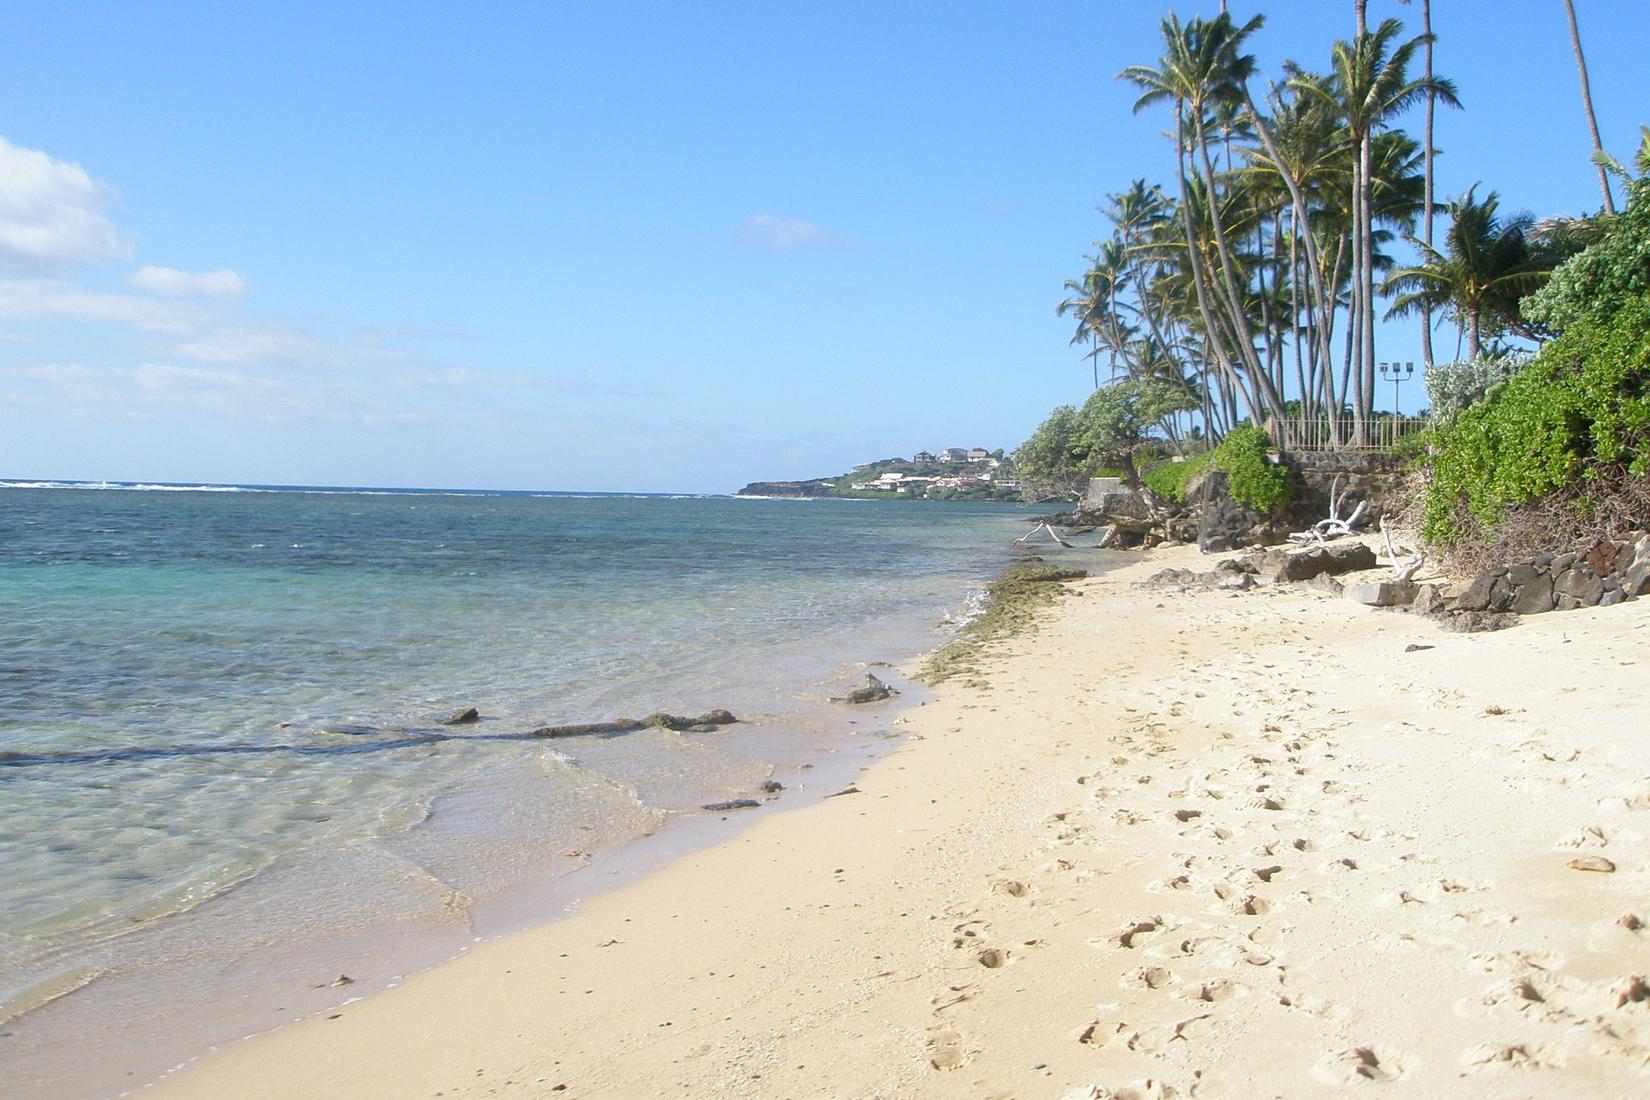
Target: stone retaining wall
<point>1363,475</point>
<point>1598,576</point>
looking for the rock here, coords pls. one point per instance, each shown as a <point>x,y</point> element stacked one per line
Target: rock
<point>660,720</point>
<point>1333,559</point>
<point>773,786</point>
<point>1533,597</point>
<point>1416,647</point>
<point>1579,584</point>
<point>1323,582</point>
<point>843,791</point>
<point>733,804</point>
<point>461,717</point>
<point>1563,562</point>
<point>1429,600</point>
<point>1592,863</point>
<point>1475,622</point>
<point>1601,559</point>
<point>1520,575</point>
<point>1637,580</point>
<point>1477,595</point>
<point>874,691</point>
<point>1383,593</point>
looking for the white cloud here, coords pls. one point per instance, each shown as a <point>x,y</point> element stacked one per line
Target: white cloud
<point>780,234</point>
<point>51,214</point>
<point>222,283</point>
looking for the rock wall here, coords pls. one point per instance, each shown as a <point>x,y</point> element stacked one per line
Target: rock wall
<point>1598,576</point>
<point>1364,476</point>
<point>1224,524</point>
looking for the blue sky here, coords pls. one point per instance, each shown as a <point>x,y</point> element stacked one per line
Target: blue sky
<point>622,246</point>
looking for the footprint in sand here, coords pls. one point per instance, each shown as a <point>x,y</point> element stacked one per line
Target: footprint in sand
<point>947,1049</point>
<point>1148,1089</point>
<point>1148,977</point>
<point>1510,1057</point>
<point>1014,888</point>
<point>1371,1063</point>
<point>1136,932</point>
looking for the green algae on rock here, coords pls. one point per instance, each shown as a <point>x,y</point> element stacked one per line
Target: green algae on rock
<point>1011,603</point>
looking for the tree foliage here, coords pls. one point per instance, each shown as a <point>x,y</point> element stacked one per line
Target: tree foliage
<point>1110,428</point>
<point>1607,276</point>
<point>1251,476</point>
<point>1574,426</point>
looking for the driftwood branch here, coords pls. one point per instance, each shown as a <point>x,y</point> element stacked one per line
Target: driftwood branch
<point>1403,570</point>
<point>1043,527</point>
<point>1333,527</point>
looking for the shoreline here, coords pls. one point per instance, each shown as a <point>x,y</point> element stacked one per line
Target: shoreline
<point>1223,843</point>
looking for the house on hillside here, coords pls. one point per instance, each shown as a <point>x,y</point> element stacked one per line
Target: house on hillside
<point>978,454</point>
<point>922,457</point>
<point>954,454</point>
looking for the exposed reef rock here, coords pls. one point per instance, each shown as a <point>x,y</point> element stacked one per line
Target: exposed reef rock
<point>661,720</point>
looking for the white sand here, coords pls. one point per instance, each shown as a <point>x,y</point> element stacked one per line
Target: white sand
<point>1202,844</point>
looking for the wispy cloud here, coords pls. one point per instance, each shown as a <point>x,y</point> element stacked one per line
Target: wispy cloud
<point>222,283</point>
<point>781,234</point>
<point>51,214</point>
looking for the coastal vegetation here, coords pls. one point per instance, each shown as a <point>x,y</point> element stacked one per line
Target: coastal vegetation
<point>1236,307</point>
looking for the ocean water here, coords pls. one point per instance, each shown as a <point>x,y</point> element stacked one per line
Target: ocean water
<point>223,777</point>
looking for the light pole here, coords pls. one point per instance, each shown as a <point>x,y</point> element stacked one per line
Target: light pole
<point>1401,373</point>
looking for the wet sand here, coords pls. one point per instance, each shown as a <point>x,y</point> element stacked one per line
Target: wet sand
<point>1180,844</point>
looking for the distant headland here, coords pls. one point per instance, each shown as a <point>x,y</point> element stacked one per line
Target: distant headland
<point>954,473</point>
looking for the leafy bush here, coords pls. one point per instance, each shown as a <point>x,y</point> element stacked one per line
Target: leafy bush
<point>1573,425</point>
<point>1452,387</point>
<point>1251,477</point>
<point>1611,275</point>
<point>1171,478</point>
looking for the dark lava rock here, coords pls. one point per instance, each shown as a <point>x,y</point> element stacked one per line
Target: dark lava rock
<point>733,804</point>
<point>461,717</point>
<point>874,691</point>
<point>773,786</point>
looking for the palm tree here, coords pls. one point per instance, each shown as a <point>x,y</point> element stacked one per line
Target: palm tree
<point>1587,106</point>
<point>1370,85</point>
<point>1486,266</point>
<point>1427,212</point>
<point>1202,66</point>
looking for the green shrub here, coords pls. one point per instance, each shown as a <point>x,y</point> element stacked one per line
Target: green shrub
<point>1251,477</point>
<point>1575,423</point>
<point>1171,478</point>
<point>1611,275</point>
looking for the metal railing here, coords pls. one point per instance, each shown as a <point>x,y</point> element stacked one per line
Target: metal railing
<point>1378,434</point>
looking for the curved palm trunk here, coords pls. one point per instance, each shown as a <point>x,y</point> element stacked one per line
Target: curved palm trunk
<point>1259,390</point>
<point>1212,336</point>
<point>1587,104</point>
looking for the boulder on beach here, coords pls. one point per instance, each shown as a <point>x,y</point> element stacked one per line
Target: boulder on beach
<point>874,691</point>
<point>462,717</point>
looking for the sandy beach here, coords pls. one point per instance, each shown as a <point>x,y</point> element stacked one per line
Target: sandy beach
<point>1204,844</point>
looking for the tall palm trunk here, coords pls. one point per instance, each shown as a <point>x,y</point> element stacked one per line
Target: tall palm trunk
<point>1426,225</point>
<point>1587,105</point>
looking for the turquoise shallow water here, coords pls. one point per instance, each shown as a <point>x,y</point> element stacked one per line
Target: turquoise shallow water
<point>216,735</point>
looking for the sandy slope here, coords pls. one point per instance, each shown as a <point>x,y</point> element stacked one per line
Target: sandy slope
<point>1202,844</point>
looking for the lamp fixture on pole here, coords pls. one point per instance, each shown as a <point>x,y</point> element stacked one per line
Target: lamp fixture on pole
<point>1400,373</point>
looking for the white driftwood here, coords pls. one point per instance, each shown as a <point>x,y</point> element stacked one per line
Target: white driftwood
<point>1043,527</point>
<point>1333,527</point>
<point>1403,570</point>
